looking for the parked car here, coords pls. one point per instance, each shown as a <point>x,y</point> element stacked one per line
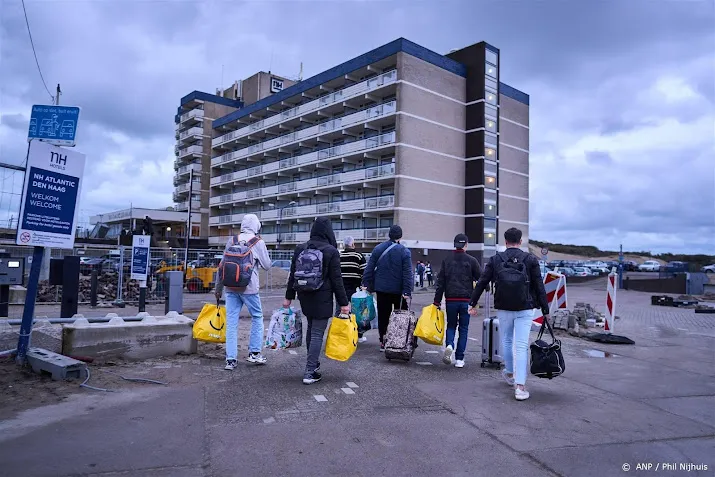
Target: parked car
<point>582,272</point>
<point>649,266</point>
<point>87,264</point>
<point>282,264</point>
<point>600,270</point>
<point>708,269</point>
<point>569,272</point>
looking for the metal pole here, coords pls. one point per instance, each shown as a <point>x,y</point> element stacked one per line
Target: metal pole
<point>280,218</point>
<point>188,220</point>
<point>94,285</point>
<point>120,280</point>
<point>142,296</point>
<point>23,342</point>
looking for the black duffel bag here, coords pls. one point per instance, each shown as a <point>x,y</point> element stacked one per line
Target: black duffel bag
<point>547,361</point>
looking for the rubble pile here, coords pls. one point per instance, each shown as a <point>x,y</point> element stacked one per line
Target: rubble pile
<point>106,290</point>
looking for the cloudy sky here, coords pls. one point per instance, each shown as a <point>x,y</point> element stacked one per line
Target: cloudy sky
<point>622,94</point>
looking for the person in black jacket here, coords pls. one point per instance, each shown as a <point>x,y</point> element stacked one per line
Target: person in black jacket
<point>515,310</point>
<point>317,305</point>
<point>456,282</point>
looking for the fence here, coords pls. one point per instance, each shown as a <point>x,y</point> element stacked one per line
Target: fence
<point>113,267</point>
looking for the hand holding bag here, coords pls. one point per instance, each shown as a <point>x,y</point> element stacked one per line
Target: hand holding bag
<point>342,338</point>
<point>547,361</point>
<point>430,325</point>
<point>210,326</point>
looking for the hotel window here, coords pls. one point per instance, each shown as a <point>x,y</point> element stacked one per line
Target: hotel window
<point>490,196</point>
<point>490,97</point>
<point>386,222</point>
<point>490,238</point>
<point>490,168</point>
<point>490,139</point>
<point>491,70</point>
<point>490,224</point>
<point>490,124</point>
<point>490,210</point>
<point>490,84</point>
<point>490,153</point>
<point>491,56</point>
<point>490,111</point>
<point>490,182</point>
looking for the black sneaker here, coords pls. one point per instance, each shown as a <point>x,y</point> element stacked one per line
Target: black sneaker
<point>317,369</point>
<point>231,364</point>
<point>314,378</point>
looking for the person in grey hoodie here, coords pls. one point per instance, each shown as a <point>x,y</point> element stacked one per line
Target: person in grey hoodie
<point>237,297</point>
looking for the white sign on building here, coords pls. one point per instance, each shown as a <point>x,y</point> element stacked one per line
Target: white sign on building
<point>276,85</point>
<point>52,188</point>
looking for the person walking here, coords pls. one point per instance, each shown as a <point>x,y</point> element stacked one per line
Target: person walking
<point>428,273</point>
<point>352,268</point>
<point>389,275</point>
<point>518,290</point>
<point>315,278</point>
<point>420,270</point>
<point>456,283</point>
<point>237,297</point>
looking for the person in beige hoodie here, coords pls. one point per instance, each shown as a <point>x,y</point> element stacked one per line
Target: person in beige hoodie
<point>237,297</point>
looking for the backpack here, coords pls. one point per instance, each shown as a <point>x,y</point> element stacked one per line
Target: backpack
<point>512,284</point>
<point>308,274</point>
<point>238,264</point>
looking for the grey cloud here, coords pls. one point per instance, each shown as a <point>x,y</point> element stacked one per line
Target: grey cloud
<point>13,121</point>
<point>598,158</point>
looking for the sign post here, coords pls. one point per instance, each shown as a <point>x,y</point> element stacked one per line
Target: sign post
<point>54,124</point>
<point>140,265</point>
<point>48,215</point>
<point>544,254</point>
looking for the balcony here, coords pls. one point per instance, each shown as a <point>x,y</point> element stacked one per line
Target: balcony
<point>192,116</point>
<point>187,169</point>
<point>367,235</point>
<point>194,150</point>
<point>311,157</point>
<point>192,134</point>
<point>183,188</point>
<point>314,131</point>
<point>341,178</point>
<point>184,206</point>
<point>332,98</point>
<point>313,210</point>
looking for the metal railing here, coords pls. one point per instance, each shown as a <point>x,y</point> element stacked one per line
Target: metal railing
<point>357,175</point>
<point>305,159</point>
<point>332,98</point>
<point>325,127</point>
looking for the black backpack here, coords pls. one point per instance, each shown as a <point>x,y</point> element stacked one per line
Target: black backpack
<point>511,283</point>
<point>308,274</point>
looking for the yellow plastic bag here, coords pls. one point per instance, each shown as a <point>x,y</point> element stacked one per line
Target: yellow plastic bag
<point>210,326</point>
<point>342,338</point>
<point>430,326</point>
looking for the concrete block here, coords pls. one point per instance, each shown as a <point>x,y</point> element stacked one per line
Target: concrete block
<point>17,295</point>
<point>150,338</point>
<point>59,367</point>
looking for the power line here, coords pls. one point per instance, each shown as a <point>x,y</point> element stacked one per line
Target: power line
<point>32,43</point>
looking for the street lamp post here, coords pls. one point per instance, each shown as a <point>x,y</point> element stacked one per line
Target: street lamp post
<point>280,220</point>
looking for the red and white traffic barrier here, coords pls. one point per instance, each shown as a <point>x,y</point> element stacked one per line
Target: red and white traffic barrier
<point>610,302</point>
<point>555,286</point>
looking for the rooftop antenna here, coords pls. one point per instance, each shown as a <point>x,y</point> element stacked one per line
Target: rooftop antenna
<point>270,66</point>
<point>300,74</point>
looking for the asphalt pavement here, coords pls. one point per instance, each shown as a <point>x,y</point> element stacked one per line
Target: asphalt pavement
<point>648,404</point>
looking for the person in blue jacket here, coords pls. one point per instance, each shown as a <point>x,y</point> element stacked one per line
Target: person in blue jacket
<point>389,275</point>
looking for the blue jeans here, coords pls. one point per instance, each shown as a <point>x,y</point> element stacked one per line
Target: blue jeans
<point>515,328</point>
<point>458,313</point>
<point>234,303</point>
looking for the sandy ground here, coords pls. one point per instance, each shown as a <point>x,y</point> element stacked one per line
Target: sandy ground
<point>566,256</point>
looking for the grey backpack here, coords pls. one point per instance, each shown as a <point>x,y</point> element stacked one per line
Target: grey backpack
<point>308,274</point>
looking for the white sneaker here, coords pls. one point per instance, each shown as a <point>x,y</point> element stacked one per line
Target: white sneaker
<point>509,380</point>
<point>447,357</point>
<point>521,394</point>
<point>362,340</point>
<point>459,363</point>
<point>256,358</point>
<point>230,364</point>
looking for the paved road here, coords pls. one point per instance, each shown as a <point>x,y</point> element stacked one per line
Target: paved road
<point>650,403</point>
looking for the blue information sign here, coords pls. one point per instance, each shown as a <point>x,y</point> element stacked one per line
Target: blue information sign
<point>48,211</point>
<point>54,124</point>
<point>140,257</point>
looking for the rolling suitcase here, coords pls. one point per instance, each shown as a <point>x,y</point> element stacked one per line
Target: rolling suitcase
<point>491,338</point>
<point>491,343</point>
<point>400,342</point>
